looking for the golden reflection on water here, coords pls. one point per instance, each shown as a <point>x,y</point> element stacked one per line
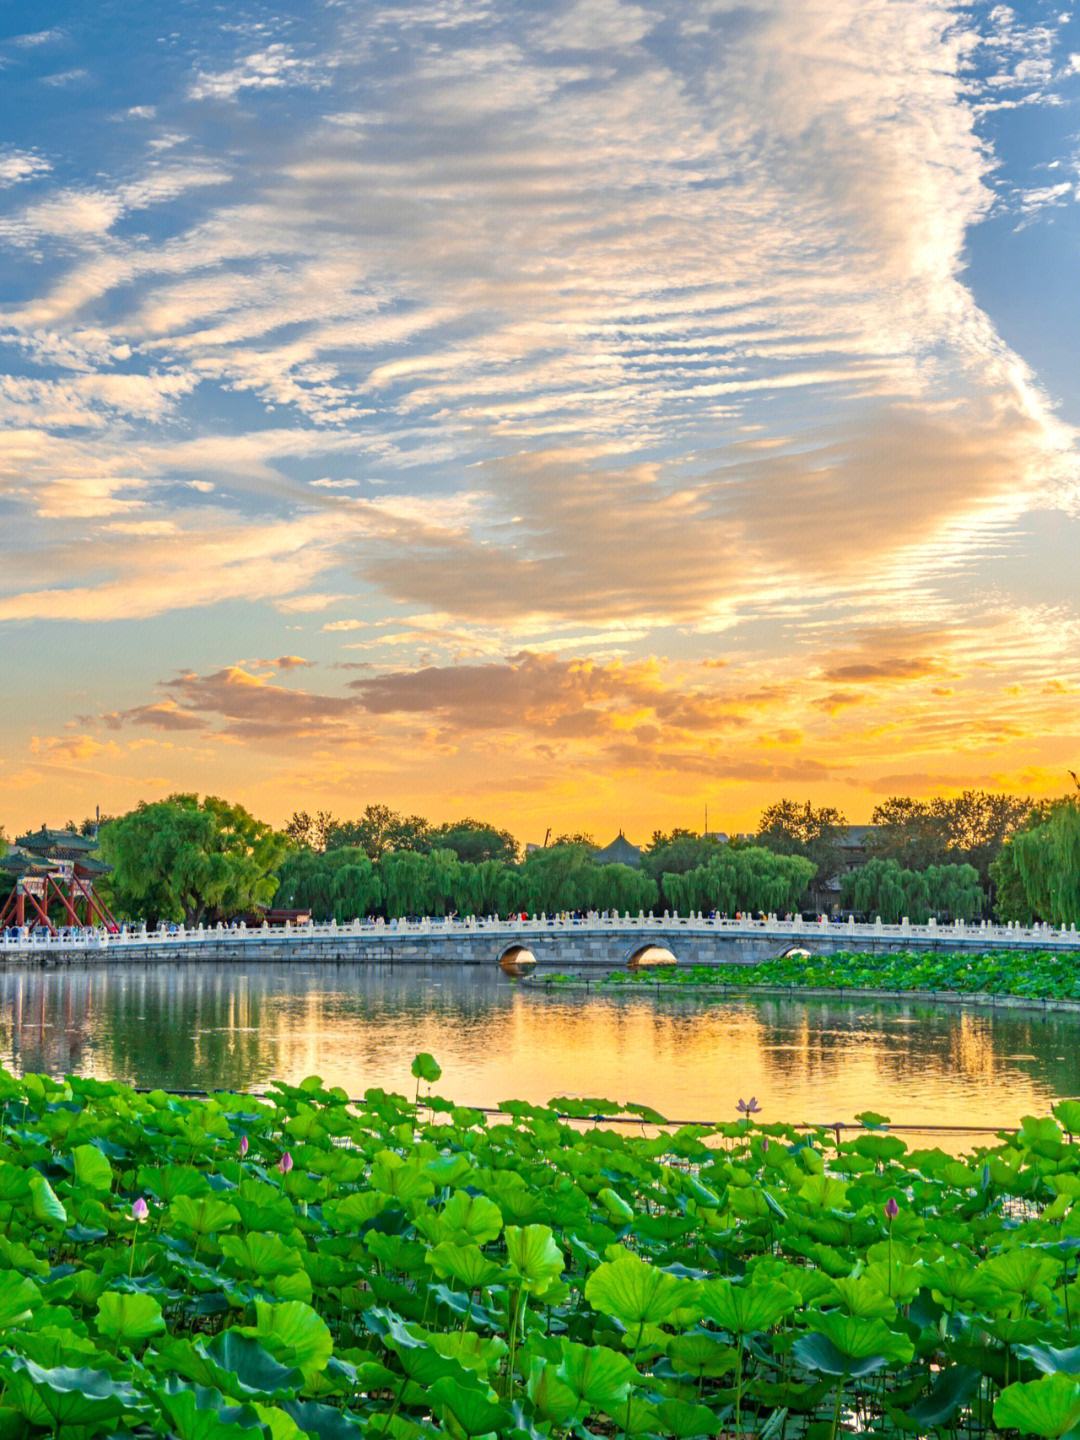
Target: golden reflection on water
<point>191,1026</point>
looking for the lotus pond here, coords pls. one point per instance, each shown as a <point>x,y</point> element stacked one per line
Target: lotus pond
<point>1031,974</point>
<point>302,1264</point>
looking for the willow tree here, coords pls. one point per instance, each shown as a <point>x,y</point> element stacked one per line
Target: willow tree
<point>357,888</point>
<point>741,878</point>
<point>189,859</point>
<point>620,888</point>
<point>1047,860</point>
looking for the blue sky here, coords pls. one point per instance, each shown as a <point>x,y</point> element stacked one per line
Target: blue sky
<point>570,411</point>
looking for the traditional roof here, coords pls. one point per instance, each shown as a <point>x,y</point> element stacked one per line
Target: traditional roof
<point>18,861</point>
<point>619,852</point>
<point>56,842</point>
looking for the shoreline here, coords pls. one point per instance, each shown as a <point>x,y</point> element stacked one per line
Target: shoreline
<point>981,999</point>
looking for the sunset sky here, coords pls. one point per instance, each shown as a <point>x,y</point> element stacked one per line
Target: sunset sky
<point>568,414</point>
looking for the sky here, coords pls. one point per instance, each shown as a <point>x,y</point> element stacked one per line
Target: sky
<point>571,414</point>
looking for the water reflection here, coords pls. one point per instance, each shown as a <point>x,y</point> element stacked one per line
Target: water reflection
<point>195,1027</point>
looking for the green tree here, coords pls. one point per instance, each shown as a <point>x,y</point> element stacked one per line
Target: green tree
<point>475,841</point>
<point>885,888</point>
<point>312,831</point>
<point>676,853</point>
<point>969,828</point>
<point>740,878</point>
<point>188,860</point>
<point>620,888</point>
<point>1047,859</point>
<point>357,888</point>
<point>789,827</point>
<point>380,830</point>
<point>406,877</point>
<point>556,879</point>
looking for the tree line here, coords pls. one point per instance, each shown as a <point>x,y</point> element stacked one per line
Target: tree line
<point>190,859</point>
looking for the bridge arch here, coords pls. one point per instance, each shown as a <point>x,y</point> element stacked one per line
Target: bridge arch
<point>650,954</point>
<point>517,960</point>
<point>796,952</point>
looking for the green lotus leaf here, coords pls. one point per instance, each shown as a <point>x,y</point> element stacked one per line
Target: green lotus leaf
<point>635,1293</point>
<point>43,1202</point>
<point>1049,1407</point>
<point>534,1256</point>
<point>242,1367</point>
<point>951,1390</point>
<point>1051,1361</point>
<point>1068,1113</point>
<point>19,1298</point>
<point>861,1295</point>
<point>470,1350</point>
<point>68,1395</point>
<point>170,1181</point>
<point>554,1400</point>
<point>701,1354</point>
<point>264,1256</point>
<point>596,1376</point>
<point>467,1218</point>
<point>294,1333</point>
<point>616,1206</point>
<point>1020,1272</point>
<point>848,1345</point>
<point>470,1408</point>
<point>203,1214</point>
<point>129,1317</point>
<point>402,1179</point>
<point>684,1420</point>
<point>92,1169</point>
<point>198,1413</point>
<point>465,1263</point>
<point>323,1422</point>
<point>746,1309</point>
<point>426,1067</point>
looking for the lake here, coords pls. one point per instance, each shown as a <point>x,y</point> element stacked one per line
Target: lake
<point>193,1026</point>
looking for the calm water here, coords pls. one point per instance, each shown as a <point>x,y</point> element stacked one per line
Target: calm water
<point>195,1027</point>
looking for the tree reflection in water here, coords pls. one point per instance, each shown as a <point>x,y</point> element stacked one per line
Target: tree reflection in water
<point>192,1026</point>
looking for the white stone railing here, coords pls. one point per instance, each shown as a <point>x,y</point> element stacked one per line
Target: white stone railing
<point>375,931</point>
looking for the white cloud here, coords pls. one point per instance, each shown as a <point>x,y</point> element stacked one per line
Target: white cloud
<point>273,68</point>
<point>18,165</point>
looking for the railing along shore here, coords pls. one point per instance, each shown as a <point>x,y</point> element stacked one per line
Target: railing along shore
<point>932,935</point>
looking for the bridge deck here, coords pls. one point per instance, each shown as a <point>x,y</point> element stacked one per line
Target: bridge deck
<point>594,941</point>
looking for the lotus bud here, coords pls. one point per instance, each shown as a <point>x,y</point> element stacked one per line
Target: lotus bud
<point>285,1164</point>
<point>892,1209</point>
<point>140,1211</point>
<point>243,1146</point>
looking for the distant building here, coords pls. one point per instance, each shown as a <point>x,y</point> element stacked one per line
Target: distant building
<point>619,852</point>
<point>853,844</point>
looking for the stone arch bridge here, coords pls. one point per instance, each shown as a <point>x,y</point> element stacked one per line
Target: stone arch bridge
<point>594,943</point>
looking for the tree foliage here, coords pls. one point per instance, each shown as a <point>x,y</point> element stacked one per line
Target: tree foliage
<point>967,828</point>
<point>885,888</point>
<point>1042,865</point>
<point>186,859</point>
<point>741,878</point>
<point>676,852</point>
<point>791,827</point>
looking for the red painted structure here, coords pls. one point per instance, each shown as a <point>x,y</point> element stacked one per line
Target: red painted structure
<point>50,868</point>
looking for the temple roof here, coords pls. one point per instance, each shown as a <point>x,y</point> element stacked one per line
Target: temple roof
<point>56,842</point>
<point>619,852</point>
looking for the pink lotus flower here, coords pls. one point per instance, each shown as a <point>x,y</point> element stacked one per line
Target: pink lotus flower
<point>749,1107</point>
<point>243,1146</point>
<point>140,1211</point>
<point>285,1164</point>
<point>892,1209</point>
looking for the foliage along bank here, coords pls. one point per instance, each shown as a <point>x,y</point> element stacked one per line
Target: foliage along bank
<point>1032,974</point>
<point>298,1264</point>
